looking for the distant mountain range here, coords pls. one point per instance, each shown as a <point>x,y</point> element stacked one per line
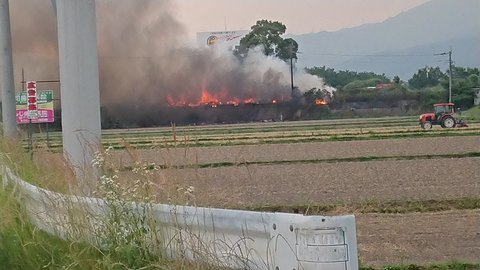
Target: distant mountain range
<point>402,44</point>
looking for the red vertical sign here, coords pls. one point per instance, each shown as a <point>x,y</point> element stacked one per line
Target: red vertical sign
<point>32,100</point>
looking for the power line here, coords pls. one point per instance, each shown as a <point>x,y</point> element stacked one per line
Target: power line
<point>368,55</point>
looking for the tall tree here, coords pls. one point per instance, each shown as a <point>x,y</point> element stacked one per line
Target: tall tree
<point>426,77</point>
<point>268,34</point>
<point>465,83</point>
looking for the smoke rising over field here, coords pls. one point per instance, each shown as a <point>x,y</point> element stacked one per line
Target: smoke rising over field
<point>34,39</point>
<point>144,59</point>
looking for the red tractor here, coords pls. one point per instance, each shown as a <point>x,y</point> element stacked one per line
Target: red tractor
<point>443,115</point>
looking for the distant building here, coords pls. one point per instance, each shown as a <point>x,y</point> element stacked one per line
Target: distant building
<point>223,41</point>
<point>477,97</point>
<point>384,85</point>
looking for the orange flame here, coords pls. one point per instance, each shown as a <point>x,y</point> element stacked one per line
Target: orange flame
<point>321,102</point>
<point>210,99</point>
<point>249,101</point>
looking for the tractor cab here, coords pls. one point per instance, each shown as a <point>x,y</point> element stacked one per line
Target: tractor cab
<point>443,108</point>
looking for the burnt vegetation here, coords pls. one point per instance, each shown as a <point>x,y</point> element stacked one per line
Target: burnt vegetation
<point>357,94</point>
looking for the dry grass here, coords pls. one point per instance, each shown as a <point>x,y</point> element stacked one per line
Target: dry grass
<point>41,167</point>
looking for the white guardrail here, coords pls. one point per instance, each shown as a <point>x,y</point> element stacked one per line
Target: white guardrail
<point>231,238</point>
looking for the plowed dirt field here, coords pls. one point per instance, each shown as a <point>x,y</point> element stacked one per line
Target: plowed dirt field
<point>307,151</point>
<point>320,177</point>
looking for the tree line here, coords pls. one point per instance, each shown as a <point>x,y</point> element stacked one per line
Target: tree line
<point>427,86</point>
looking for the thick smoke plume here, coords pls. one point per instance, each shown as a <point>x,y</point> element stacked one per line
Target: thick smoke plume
<point>34,38</point>
<point>144,57</point>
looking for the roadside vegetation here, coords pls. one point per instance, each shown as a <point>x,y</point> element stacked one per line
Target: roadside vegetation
<point>123,243</point>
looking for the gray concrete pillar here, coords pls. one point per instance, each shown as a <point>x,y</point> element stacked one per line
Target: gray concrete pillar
<point>7,86</point>
<point>80,94</point>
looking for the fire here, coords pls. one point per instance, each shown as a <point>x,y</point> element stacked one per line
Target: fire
<point>210,99</point>
<point>249,101</point>
<point>235,102</point>
<point>321,102</point>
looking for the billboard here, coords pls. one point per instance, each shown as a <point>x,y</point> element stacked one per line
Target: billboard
<point>44,112</point>
<point>226,40</point>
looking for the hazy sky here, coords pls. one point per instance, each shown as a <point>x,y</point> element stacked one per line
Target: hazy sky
<point>300,16</point>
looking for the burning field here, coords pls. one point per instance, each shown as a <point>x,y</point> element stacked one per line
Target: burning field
<point>147,67</point>
<point>211,113</point>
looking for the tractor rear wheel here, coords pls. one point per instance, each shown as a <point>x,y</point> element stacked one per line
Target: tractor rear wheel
<point>448,122</point>
<point>427,125</point>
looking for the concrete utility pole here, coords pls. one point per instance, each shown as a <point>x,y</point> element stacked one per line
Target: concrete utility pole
<point>291,69</point>
<point>450,63</point>
<point>450,76</point>
<point>7,85</point>
<point>78,57</point>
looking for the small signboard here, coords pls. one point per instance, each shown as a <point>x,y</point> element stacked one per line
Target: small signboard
<point>44,108</point>
<point>32,112</point>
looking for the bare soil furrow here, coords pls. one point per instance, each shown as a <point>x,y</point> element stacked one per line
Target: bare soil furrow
<point>421,238</point>
<point>347,182</point>
<point>306,151</point>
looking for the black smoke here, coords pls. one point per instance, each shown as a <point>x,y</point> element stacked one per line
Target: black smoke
<point>144,59</point>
